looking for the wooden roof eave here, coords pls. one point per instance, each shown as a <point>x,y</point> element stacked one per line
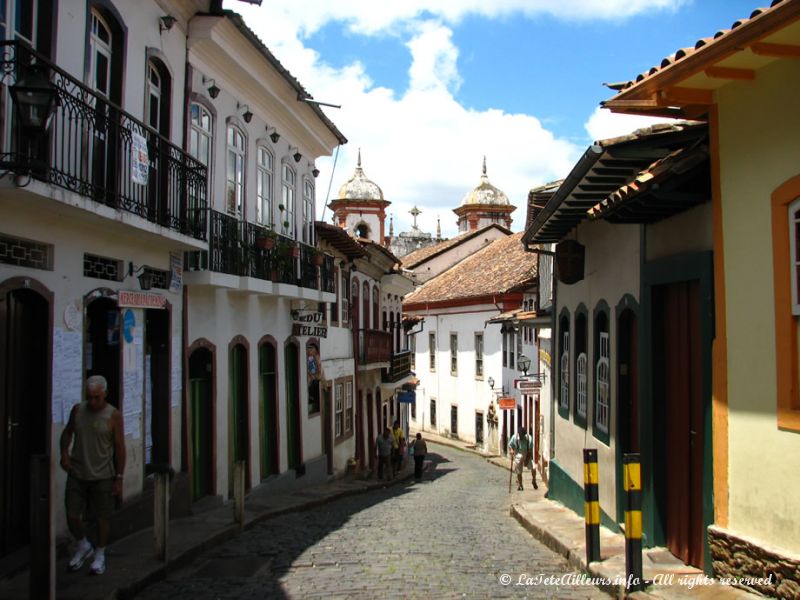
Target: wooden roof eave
<point>640,97</point>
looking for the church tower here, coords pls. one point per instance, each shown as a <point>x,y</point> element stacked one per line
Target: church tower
<point>360,208</point>
<point>483,206</point>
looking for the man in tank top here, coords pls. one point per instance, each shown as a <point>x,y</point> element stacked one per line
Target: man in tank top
<point>95,467</point>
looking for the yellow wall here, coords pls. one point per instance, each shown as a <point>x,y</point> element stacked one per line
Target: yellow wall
<point>759,150</point>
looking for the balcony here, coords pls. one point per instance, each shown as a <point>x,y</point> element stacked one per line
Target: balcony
<point>95,149</point>
<point>243,249</point>
<point>374,346</point>
<point>399,369</point>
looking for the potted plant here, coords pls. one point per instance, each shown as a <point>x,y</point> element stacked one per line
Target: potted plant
<point>266,239</point>
<point>317,257</point>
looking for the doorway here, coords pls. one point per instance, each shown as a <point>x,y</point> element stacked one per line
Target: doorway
<point>371,435</point>
<point>24,408</point>
<point>240,438</point>
<point>201,414</point>
<point>627,397</point>
<point>102,345</point>
<point>157,386</point>
<point>267,366</point>
<point>678,404</point>
<point>479,429</point>
<point>294,451</point>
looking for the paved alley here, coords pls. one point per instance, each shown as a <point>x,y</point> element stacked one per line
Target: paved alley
<point>450,536</point>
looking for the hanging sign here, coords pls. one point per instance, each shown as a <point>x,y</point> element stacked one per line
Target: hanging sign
<point>175,273</point>
<point>132,299</point>
<point>308,323</point>
<point>139,160</point>
<point>407,397</point>
<point>506,402</point>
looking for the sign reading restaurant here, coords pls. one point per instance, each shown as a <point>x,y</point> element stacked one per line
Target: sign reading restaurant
<point>307,323</point>
<point>130,299</point>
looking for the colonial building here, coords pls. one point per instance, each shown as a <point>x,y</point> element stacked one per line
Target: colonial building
<point>415,239</point>
<point>631,348</point>
<point>464,363</point>
<point>741,82</point>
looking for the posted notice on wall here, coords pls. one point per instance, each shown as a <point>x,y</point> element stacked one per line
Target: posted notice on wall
<point>139,160</point>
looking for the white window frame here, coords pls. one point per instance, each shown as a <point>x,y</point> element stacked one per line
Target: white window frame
<point>348,407</point>
<point>563,400</point>
<point>432,351</point>
<point>198,132</point>
<point>308,211</point>
<point>288,193</point>
<point>338,409</point>
<point>98,46</point>
<point>265,162</point>
<point>9,21</point>
<point>581,384</point>
<point>478,355</point>
<point>603,375</point>
<point>453,354</point>
<point>794,254</point>
<point>154,92</point>
<point>236,144</point>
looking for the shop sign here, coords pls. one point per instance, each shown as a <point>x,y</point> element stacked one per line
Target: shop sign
<point>309,323</point>
<point>506,402</point>
<point>131,299</point>
<point>408,397</point>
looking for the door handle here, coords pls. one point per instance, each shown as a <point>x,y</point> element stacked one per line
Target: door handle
<point>11,425</point>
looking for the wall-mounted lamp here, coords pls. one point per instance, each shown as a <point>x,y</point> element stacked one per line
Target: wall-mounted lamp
<point>297,156</point>
<point>490,381</point>
<point>524,363</point>
<point>213,90</point>
<point>145,277</point>
<point>246,115</point>
<point>166,22</point>
<point>274,136</point>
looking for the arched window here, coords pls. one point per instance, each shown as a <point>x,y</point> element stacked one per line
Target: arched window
<point>308,211</point>
<point>563,376</point>
<point>100,49</point>
<point>264,163</point>
<point>581,368</point>
<point>375,308</point>
<point>157,100</point>
<point>288,182</point>
<point>201,133</point>
<point>602,400</point>
<point>362,231</point>
<point>234,186</point>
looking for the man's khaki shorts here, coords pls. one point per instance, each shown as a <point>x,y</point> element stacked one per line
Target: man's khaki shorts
<point>85,499</point>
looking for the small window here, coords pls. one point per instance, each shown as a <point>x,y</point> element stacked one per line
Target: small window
<point>603,380</point>
<point>348,406</point>
<point>454,354</point>
<point>432,350</point>
<point>478,355</point>
<point>504,350</point>
<point>433,412</point>
<point>375,308</point>
<point>335,303</point>
<point>339,409</point>
<point>412,344</point>
<point>345,299</point>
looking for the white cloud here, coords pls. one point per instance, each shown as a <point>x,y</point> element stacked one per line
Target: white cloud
<point>419,144</point>
<point>604,124</point>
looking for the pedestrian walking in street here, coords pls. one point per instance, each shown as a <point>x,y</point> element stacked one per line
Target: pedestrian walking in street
<point>95,468</point>
<point>383,447</point>
<point>398,446</point>
<point>521,449</point>
<point>420,450</point>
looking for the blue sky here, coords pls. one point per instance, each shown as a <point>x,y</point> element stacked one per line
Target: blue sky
<point>429,87</point>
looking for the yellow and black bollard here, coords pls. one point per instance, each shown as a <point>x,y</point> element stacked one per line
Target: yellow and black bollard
<point>591,504</point>
<point>632,482</point>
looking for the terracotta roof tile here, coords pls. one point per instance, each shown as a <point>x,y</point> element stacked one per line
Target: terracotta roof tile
<point>502,266</point>
<point>414,259</point>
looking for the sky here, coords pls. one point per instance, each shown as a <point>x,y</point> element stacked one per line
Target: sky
<point>427,88</point>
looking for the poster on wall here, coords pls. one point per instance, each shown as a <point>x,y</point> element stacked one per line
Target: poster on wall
<point>175,272</point>
<point>139,160</point>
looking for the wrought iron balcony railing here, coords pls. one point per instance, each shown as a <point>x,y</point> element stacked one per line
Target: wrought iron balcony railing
<point>98,150</point>
<point>250,250</point>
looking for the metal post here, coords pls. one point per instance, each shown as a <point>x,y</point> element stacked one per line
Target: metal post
<point>161,515</point>
<point>42,575</point>
<point>632,483</point>
<point>591,504</point>
<point>238,492</point>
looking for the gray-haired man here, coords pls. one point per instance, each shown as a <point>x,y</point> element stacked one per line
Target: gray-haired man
<point>95,468</point>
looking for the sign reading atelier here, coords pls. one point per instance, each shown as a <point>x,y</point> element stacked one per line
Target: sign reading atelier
<point>140,299</point>
<point>309,324</point>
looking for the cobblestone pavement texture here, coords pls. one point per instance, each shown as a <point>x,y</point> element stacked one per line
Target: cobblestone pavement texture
<point>449,536</point>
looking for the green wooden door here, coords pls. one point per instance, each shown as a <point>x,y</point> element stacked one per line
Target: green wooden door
<point>238,404</point>
<point>293,452</point>
<point>200,408</point>
<point>269,411</point>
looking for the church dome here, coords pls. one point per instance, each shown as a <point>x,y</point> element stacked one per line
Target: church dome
<point>360,187</point>
<point>485,193</point>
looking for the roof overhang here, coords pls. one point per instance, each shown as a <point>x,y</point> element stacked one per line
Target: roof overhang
<point>683,85</point>
<point>339,239</point>
<point>605,168</point>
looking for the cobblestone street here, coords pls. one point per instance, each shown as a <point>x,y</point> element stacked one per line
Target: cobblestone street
<point>450,536</point>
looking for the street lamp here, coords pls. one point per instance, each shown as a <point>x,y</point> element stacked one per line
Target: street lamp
<point>524,364</point>
<point>35,98</point>
<point>490,381</point>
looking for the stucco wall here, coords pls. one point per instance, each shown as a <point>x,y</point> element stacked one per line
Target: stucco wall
<point>759,150</point>
<point>611,271</point>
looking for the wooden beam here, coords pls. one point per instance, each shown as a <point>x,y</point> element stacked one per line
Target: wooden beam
<point>730,73</point>
<point>682,96</point>
<point>776,50</point>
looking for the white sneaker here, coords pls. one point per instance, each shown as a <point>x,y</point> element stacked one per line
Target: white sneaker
<point>82,554</point>
<point>98,565</point>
